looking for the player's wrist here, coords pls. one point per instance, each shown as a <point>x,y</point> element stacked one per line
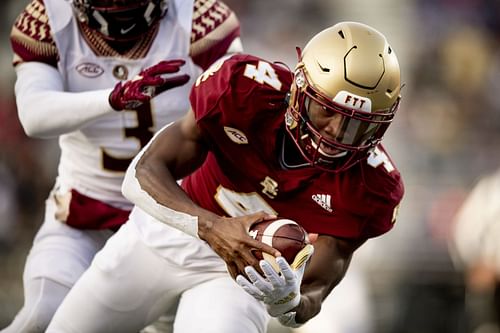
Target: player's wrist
<point>206,225</point>
<point>285,304</point>
<point>308,307</point>
<point>288,319</point>
<point>114,98</point>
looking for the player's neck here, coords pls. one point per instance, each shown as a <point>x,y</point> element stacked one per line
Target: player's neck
<point>134,49</point>
<point>290,157</point>
<point>122,47</point>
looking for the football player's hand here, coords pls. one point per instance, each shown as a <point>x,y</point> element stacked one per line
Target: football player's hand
<point>133,93</point>
<point>230,239</point>
<point>280,292</point>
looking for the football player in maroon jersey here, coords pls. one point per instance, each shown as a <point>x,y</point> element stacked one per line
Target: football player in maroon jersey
<point>78,63</point>
<point>258,142</point>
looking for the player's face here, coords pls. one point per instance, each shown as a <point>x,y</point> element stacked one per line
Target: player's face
<point>328,128</point>
<point>327,125</point>
<point>124,20</point>
<point>124,16</point>
<point>335,128</point>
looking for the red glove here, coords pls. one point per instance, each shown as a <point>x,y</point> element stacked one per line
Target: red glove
<point>131,94</point>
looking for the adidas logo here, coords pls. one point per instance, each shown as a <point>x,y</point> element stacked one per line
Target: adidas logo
<point>324,200</point>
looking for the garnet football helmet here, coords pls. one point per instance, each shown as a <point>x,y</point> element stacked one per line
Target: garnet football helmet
<point>120,20</point>
<point>350,73</point>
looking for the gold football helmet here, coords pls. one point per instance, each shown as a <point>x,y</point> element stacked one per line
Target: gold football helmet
<point>348,71</point>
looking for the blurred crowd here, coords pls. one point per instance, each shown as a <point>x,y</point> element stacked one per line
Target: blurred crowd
<point>445,137</point>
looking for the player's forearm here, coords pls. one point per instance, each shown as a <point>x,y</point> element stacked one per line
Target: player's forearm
<point>313,294</point>
<point>326,269</point>
<point>161,185</point>
<point>150,186</point>
<point>143,193</point>
<point>46,110</point>
<point>309,306</point>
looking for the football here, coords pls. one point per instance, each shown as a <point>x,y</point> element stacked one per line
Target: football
<point>285,235</point>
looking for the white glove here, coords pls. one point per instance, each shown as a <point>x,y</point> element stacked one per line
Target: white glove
<point>280,292</point>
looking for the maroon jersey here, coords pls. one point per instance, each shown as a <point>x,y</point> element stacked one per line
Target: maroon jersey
<point>239,107</point>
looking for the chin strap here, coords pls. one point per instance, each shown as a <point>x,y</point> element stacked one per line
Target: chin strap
<point>283,163</point>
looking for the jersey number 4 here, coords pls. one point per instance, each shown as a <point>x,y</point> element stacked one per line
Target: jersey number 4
<point>240,204</point>
<point>263,73</point>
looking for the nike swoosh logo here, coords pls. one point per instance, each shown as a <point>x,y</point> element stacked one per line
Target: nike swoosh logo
<point>124,31</point>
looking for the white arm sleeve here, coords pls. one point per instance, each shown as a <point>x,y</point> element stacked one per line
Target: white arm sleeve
<point>46,110</point>
<point>132,190</point>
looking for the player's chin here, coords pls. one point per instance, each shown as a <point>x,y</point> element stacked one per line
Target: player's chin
<point>329,151</point>
<point>326,150</point>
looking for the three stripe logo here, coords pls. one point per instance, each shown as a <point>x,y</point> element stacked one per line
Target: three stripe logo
<point>324,200</point>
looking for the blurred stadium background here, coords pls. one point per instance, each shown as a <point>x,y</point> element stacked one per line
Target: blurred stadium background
<point>445,137</point>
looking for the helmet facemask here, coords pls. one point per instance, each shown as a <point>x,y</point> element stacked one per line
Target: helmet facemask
<point>357,131</point>
<point>123,20</point>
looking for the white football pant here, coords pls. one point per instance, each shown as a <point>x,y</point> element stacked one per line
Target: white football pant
<point>59,255</point>
<point>128,286</point>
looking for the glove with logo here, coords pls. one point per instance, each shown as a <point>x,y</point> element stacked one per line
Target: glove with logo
<point>147,84</point>
<point>279,291</point>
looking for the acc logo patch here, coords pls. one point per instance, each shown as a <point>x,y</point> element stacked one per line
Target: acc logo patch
<point>88,69</point>
<point>236,136</point>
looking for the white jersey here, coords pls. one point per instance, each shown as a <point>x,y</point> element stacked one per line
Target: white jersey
<point>477,228</point>
<point>65,73</point>
<point>94,158</point>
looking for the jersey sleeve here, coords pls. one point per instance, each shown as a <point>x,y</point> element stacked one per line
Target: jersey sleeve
<point>215,28</point>
<point>211,86</point>
<point>385,211</point>
<point>239,86</point>
<point>385,188</point>
<point>31,38</point>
